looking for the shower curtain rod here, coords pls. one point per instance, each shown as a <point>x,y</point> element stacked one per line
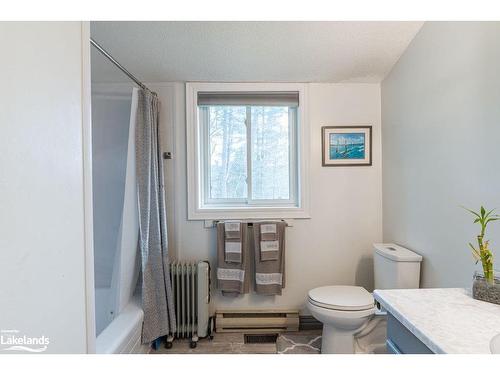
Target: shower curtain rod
<point>117,64</point>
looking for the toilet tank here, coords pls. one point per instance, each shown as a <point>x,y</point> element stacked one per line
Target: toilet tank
<point>395,267</point>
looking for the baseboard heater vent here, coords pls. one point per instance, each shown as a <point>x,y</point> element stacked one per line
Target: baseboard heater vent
<point>262,321</point>
<point>265,338</point>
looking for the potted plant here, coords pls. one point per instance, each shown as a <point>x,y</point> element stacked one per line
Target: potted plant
<point>486,286</point>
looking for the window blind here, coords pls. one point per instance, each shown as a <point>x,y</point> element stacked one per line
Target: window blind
<point>268,98</point>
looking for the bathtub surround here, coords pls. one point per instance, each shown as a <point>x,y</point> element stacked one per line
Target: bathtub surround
<point>441,125</point>
<point>110,110</point>
<point>114,193</point>
<point>130,259</point>
<point>118,314</point>
<point>157,301</point>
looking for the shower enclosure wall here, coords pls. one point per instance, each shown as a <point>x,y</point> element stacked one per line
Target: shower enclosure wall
<point>116,258</point>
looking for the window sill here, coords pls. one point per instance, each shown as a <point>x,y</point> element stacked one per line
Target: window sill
<point>243,213</point>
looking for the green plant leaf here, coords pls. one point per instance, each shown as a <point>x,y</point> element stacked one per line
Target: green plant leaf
<point>472,212</point>
<point>489,212</point>
<point>483,211</point>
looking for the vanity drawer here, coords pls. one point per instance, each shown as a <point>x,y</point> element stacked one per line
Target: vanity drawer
<point>401,341</point>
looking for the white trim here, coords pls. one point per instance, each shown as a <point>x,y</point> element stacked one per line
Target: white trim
<point>194,159</point>
<point>293,152</point>
<point>87,191</point>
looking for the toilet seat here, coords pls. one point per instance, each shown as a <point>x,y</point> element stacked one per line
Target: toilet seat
<point>340,314</point>
<point>346,298</point>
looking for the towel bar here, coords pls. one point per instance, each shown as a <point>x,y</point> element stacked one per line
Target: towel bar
<point>213,223</point>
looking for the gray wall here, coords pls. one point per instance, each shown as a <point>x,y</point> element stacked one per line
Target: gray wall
<point>440,136</point>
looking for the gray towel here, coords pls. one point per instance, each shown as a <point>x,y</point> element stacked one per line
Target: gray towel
<point>269,244</point>
<point>232,278</point>
<point>232,241</point>
<point>269,273</point>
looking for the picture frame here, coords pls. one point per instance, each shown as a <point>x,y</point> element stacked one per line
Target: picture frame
<point>346,146</point>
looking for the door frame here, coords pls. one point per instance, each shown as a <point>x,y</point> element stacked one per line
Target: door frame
<point>87,190</point>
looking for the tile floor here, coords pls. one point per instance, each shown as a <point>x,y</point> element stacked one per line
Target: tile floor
<point>223,343</point>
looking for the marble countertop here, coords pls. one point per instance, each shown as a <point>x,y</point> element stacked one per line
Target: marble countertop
<point>446,320</point>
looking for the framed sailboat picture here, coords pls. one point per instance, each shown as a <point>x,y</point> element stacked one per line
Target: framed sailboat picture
<point>346,146</point>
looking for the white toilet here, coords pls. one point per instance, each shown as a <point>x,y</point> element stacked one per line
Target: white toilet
<point>351,322</point>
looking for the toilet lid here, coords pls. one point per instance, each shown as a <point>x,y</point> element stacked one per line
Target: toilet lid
<point>342,297</point>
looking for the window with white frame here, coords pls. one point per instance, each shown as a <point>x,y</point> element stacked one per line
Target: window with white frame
<point>247,149</point>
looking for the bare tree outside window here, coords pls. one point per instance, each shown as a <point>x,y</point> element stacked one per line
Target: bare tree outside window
<point>250,153</point>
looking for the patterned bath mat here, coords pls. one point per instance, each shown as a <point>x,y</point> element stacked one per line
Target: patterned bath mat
<point>299,343</point>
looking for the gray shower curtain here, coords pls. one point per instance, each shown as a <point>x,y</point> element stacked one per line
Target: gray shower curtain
<point>157,301</point>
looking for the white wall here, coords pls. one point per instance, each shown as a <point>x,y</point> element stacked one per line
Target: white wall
<point>334,246</point>
<point>441,127</point>
<point>42,233</point>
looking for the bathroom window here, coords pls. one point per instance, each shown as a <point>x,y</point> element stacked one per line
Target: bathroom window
<point>246,154</point>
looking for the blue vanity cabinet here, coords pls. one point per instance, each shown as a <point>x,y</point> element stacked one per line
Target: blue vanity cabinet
<point>401,341</point>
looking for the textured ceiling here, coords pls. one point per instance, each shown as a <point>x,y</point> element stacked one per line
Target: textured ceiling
<point>251,51</point>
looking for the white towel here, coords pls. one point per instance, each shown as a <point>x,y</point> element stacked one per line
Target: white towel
<point>268,232</point>
<point>269,250</point>
<point>232,229</point>
<point>232,252</point>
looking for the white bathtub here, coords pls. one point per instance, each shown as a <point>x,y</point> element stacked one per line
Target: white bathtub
<point>123,334</point>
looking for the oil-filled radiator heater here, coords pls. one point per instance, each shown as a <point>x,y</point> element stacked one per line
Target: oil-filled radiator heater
<point>191,293</point>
